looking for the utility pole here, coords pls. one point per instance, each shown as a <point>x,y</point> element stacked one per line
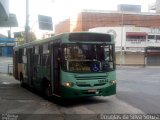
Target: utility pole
<point>27,22</point>
<point>121,53</point>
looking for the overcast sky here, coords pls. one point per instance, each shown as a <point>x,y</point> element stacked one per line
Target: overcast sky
<point>61,9</point>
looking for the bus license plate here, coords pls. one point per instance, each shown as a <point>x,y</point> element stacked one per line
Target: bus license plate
<point>92,90</point>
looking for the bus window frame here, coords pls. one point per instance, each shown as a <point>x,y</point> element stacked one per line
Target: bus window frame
<point>111,53</point>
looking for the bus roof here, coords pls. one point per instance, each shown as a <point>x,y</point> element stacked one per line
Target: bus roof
<point>63,37</point>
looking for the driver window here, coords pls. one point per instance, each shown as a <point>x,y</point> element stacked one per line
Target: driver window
<point>73,52</point>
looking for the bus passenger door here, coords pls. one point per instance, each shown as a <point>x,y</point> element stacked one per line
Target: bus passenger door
<point>30,67</point>
<point>55,69</point>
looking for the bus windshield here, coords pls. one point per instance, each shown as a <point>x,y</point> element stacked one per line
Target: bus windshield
<point>88,57</point>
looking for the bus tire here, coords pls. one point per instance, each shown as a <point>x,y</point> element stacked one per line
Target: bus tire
<point>21,80</point>
<point>47,90</point>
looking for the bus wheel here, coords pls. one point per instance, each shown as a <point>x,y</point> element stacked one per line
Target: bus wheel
<point>47,91</point>
<point>21,80</point>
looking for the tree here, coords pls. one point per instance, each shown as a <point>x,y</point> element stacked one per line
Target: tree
<point>20,37</point>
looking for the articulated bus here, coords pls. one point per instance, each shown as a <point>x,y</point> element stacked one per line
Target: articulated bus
<point>69,65</point>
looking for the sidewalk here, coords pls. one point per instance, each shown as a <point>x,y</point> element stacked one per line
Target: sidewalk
<point>6,79</point>
<point>4,62</point>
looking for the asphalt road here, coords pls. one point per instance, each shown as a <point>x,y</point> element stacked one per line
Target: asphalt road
<point>140,87</point>
<point>137,93</point>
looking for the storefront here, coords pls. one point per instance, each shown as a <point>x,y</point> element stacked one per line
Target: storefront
<point>6,46</point>
<point>152,56</point>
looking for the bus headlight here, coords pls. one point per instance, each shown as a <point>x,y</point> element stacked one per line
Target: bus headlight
<point>68,84</point>
<point>113,82</point>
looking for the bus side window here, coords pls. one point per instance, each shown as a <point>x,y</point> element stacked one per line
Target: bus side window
<point>20,54</point>
<point>36,59</point>
<point>45,60</point>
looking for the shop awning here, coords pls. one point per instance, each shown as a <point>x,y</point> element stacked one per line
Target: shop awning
<point>136,34</point>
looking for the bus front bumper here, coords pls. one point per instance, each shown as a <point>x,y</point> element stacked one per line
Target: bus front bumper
<point>68,92</point>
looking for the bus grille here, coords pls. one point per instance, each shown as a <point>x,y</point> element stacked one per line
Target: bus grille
<point>88,85</point>
<point>90,77</point>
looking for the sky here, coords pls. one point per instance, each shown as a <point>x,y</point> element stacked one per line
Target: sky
<point>62,9</point>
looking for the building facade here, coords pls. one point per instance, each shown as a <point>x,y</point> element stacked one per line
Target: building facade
<point>88,19</point>
<point>134,31</point>
<point>155,6</point>
<point>6,46</point>
<point>7,20</point>
<point>131,42</point>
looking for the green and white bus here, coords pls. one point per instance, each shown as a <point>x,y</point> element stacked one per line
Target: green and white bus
<point>69,65</point>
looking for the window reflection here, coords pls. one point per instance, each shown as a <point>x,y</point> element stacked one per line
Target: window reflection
<point>88,57</point>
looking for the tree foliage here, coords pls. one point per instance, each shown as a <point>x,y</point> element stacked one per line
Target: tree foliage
<point>21,37</point>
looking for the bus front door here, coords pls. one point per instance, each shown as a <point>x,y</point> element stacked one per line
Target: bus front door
<point>55,69</point>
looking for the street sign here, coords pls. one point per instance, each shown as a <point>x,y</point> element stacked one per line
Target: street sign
<point>45,22</point>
